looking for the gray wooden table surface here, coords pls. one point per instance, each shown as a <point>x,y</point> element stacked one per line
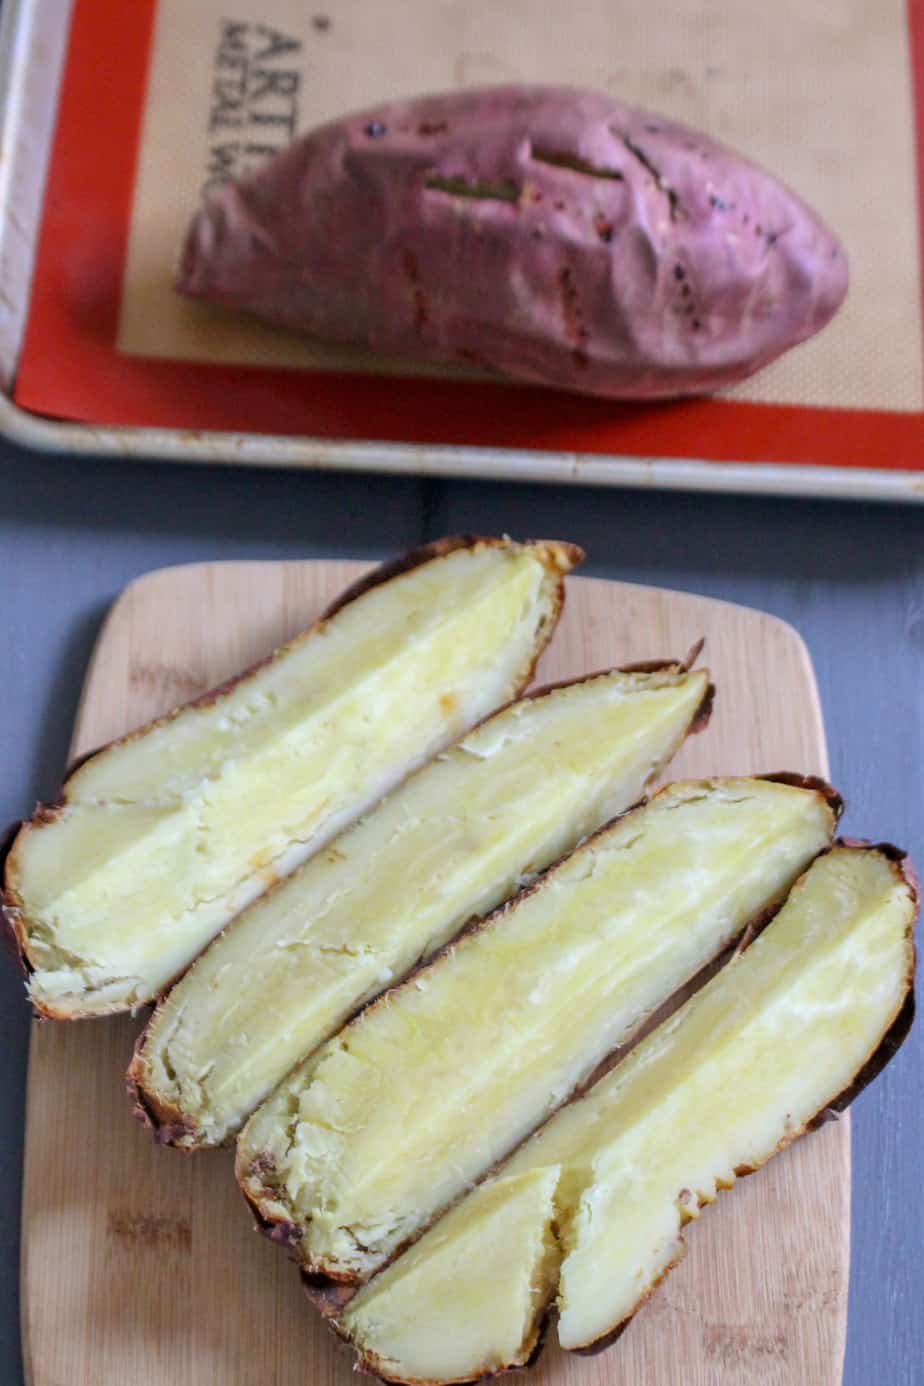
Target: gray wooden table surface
<point>850,578</point>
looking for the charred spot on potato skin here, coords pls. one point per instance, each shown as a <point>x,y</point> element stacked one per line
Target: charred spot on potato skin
<point>603,227</point>
<point>568,299</point>
<point>421,303</point>
<point>717,202</point>
<point>320,22</point>
<point>572,315</point>
<point>432,127</point>
<point>375,129</point>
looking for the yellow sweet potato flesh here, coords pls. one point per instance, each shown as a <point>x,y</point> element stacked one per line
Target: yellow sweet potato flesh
<point>729,1079</point>
<point>768,1044</point>
<point>468,1299</point>
<point>166,835</point>
<point>449,844</point>
<point>393,1119</point>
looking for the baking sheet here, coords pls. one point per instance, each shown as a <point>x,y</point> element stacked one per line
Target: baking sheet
<point>108,341</point>
<point>250,84</point>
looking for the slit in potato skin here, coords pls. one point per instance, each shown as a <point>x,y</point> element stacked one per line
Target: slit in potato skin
<point>573,163</point>
<point>660,182</point>
<point>478,189</point>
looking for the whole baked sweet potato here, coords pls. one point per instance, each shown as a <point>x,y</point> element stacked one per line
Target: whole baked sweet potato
<point>552,234</point>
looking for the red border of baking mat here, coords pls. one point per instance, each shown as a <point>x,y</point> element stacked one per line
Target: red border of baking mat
<point>70,367</point>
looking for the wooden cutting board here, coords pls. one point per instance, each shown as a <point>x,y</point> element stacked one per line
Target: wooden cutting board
<point>140,1264</point>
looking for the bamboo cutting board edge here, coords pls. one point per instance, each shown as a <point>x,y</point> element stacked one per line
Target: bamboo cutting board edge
<point>138,1263</point>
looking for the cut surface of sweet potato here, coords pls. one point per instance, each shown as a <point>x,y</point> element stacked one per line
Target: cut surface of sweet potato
<point>161,838</point>
<point>793,1026</point>
<point>449,844</point>
<point>469,1299</point>
<point>389,1122</point>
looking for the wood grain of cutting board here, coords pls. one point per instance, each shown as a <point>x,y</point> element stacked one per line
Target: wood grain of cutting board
<point>140,1264</point>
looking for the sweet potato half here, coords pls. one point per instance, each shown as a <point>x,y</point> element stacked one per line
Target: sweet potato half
<point>553,234</point>
<point>365,1143</point>
<point>162,837</point>
<point>451,843</point>
<point>586,1217</point>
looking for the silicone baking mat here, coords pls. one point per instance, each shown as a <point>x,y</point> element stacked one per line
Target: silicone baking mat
<point>161,97</point>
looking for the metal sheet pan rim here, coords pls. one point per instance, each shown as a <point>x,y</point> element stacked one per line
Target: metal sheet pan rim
<point>486,464</point>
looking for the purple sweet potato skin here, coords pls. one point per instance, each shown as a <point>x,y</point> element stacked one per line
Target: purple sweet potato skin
<point>448,229</point>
